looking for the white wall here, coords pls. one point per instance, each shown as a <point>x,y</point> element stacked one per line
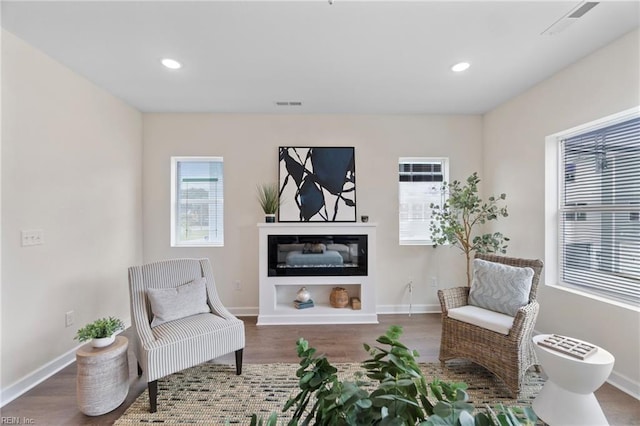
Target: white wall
<point>599,85</point>
<point>249,145</point>
<point>71,156</point>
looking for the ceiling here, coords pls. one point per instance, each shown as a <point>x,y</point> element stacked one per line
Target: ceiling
<point>362,57</point>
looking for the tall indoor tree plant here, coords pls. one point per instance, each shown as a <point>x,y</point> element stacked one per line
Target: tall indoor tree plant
<point>457,221</point>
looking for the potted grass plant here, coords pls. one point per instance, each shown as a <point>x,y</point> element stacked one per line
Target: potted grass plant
<point>101,332</point>
<point>269,199</point>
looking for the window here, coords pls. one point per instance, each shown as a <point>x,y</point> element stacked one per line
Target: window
<point>598,208</point>
<point>197,201</point>
<point>420,184</point>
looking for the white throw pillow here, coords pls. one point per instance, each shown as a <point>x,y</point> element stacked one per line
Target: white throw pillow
<point>169,304</point>
<point>500,288</point>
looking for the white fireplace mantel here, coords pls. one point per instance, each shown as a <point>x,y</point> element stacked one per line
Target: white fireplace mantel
<point>278,292</point>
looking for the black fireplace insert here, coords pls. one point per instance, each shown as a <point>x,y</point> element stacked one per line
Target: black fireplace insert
<point>317,255</point>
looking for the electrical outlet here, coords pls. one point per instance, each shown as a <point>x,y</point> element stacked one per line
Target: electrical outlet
<point>237,286</point>
<point>33,237</point>
<point>68,319</point>
<point>434,282</point>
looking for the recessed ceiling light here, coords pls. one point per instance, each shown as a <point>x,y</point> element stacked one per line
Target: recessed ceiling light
<point>171,63</point>
<point>460,66</point>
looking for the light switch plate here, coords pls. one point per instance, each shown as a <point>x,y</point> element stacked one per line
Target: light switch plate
<point>33,237</point>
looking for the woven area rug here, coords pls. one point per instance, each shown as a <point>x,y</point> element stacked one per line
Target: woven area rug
<point>212,394</point>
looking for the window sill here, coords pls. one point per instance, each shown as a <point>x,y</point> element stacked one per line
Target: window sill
<point>593,296</point>
<point>196,245</point>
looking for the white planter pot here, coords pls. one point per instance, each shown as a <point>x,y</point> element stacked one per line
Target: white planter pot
<point>103,342</point>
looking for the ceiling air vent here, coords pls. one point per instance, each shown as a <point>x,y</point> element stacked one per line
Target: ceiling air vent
<point>571,17</point>
<point>288,103</point>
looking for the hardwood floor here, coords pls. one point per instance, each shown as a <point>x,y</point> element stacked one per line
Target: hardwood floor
<point>53,402</point>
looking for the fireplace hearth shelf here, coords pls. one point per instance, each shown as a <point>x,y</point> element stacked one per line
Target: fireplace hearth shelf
<point>351,250</point>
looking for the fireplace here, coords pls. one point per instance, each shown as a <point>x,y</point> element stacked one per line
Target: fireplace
<point>325,256</point>
<point>317,255</point>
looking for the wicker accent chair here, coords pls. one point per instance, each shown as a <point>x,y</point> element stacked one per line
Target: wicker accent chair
<point>507,356</point>
<point>184,342</point>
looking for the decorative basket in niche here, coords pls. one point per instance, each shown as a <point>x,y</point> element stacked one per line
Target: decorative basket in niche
<point>339,297</point>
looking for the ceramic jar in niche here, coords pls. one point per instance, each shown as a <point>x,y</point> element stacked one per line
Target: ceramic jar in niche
<point>339,297</point>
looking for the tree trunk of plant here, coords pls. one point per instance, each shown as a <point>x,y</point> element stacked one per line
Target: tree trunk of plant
<point>468,254</point>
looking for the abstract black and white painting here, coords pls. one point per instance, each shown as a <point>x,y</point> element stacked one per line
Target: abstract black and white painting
<point>317,184</point>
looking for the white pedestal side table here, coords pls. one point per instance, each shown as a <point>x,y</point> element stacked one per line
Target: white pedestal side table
<point>103,377</point>
<point>567,397</point>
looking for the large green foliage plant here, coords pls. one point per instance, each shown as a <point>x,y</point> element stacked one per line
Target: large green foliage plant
<point>456,222</point>
<point>391,390</point>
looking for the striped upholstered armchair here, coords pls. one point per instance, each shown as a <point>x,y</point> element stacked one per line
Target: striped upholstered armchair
<point>178,319</point>
<point>494,336</point>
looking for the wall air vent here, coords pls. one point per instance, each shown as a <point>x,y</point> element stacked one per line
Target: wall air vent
<point>571,17</point>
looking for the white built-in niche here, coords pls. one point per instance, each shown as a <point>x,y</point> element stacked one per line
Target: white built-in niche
<point>277,293</point>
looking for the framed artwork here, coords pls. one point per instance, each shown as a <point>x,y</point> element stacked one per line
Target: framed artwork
<point>317,184</point>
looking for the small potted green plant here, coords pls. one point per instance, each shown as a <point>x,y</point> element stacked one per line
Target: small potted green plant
<point>101,332</point>
<point>269,200</point>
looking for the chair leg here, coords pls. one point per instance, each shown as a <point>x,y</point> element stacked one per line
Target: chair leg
<point>153,396</point>
<point>239,362</point>
<point>139,370</point>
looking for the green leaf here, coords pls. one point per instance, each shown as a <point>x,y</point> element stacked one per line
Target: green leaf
<point>466,419</point>
<point>272,420</point>
<point>461,395</point>
<point>530,414</point>
<point>483,420</point>
<point>443,409</point>
<point>385,340</point>
<point>307,377</point>
<point>438,421</point>
<point>364,403</point>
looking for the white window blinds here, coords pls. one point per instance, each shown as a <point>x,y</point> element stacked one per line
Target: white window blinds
<point>197,201</point>
<point>599,211</point>
<point>420,184</point>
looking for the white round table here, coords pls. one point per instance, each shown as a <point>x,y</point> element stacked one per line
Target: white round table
<point>567,396</point>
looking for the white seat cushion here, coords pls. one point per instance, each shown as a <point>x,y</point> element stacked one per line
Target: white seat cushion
<point>494,321</point>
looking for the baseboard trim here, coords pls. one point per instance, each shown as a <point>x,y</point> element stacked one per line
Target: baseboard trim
<point>406,309</point>
<point>244,311</point>
<point>625,384</point>
<point>38,376</point>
